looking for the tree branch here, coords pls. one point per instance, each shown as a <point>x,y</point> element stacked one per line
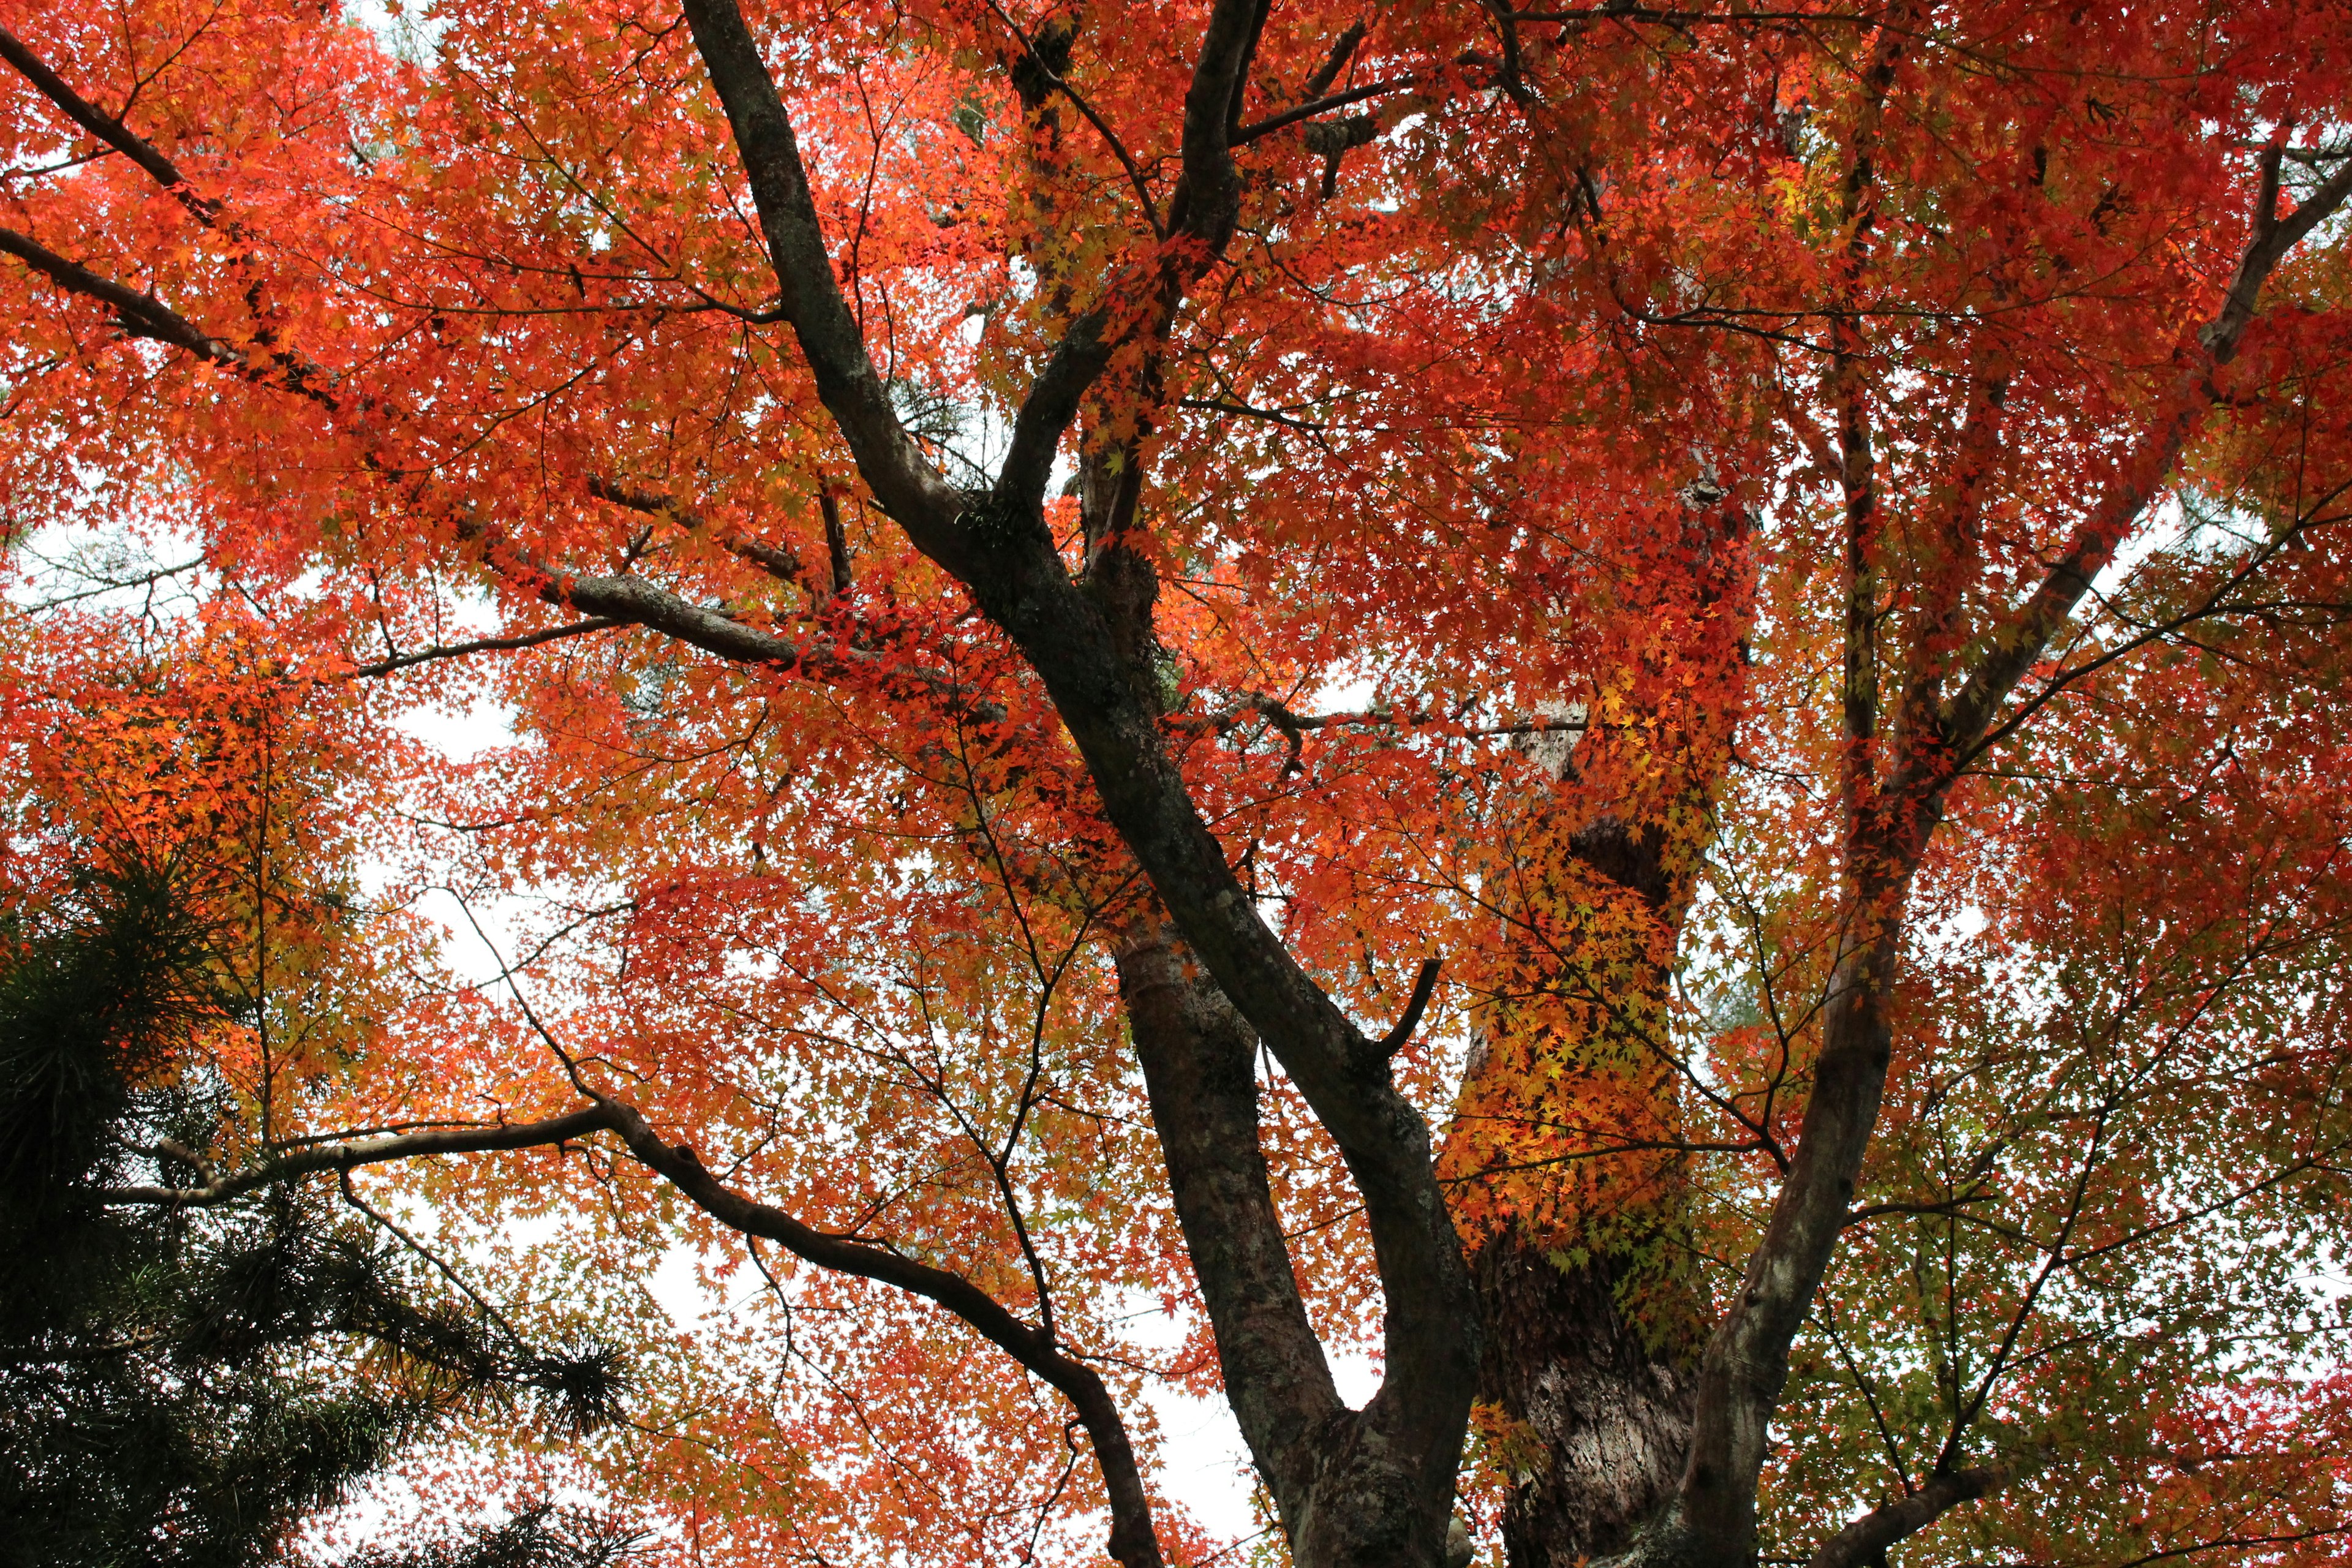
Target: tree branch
<point>1006,558</point>
<point>1423,984</point>
<point>1132,1540</point>
<point>139,314</point>
<point>1289,117</point>
<point>1746,1364</point>
<point>625,600</point>
<point>346,1157</point>
<point>1965,719</point>
<point>837,543</point>
<point>636,602</point>
<point>1087,110</point>
<point>105,127</point>
<point>903,480</point>
<point>774,559</point>
<point>2271,238</point>
<point>142,315</point>
<point>1343,50</point>
<point>1616,13</point>
<point>1865,1542</point>
<point>485,645</point>
<point>1199,1070</point>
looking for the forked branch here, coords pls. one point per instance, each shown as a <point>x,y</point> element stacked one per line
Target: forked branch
<point>2013,650</point>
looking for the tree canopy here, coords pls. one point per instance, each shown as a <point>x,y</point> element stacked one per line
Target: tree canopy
<point>1638,708</point>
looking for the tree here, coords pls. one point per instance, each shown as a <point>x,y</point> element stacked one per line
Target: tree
<point>1799,550</point>
<point>186,1388</point>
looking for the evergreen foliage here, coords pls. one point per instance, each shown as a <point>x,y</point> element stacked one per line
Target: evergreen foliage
<point>182,1387</point>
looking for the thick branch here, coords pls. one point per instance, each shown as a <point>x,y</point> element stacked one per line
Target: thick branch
<point>2271,238</point>
<point>1344,1076</point>
<point>626,600</point>
<point>146,316</point>
<point>1200,217</point>
<point>1005,556</point>
<point>1865,1541</point>
<point>1289,117</point>
<point>636,602</point>
<point>1412,1435</point>
<point>1342,50</point>
<point>836,545</point>
<point>140,315</point>
<point>1044,416</point>
<point>632,601</point>
<point>105,127</point>
<point>1291,723</point>
<point>1199,1059</point>
<point>2012,652</point>
<point>1211,192</point>
<point>1746,1364</point>
<point>903,480</point>
<point>221,1188</point>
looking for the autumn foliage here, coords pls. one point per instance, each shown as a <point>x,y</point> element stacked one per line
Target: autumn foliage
<point>862,653</point>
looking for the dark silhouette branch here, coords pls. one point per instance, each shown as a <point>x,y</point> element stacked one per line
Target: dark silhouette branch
<point>107,128</point>
<point>1865,1542</point>
<point>1745,1366</point>
<point>774,559</point>
<point>1423,984</point>
<point>1289,117</point>
<point>1199,1070</point>
<point>904,482</point>
<point>837,543</point>
<point>139,314</point>
<point>221,1188</point>
<point>1132,1539</point>
<point>486,645</point>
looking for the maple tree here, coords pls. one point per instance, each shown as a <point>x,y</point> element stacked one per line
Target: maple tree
<point>1048,564</point>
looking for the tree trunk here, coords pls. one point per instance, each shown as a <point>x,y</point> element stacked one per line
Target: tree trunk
<point>1568,1184</point>
<point>1592,1327</point>
<point>1604,1415</point>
